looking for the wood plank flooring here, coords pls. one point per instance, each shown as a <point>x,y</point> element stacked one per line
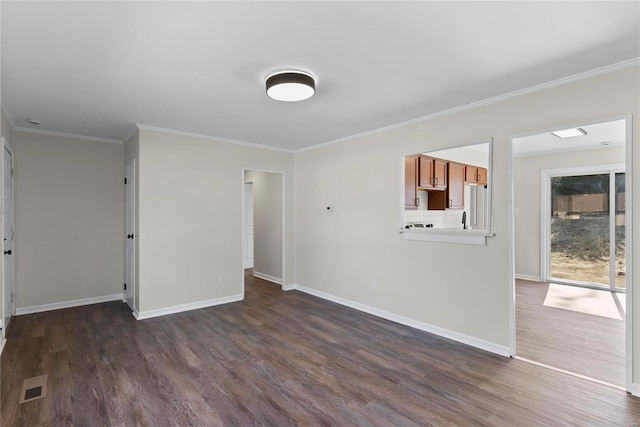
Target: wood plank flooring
<point>585,344</point>
<point>277,359</point>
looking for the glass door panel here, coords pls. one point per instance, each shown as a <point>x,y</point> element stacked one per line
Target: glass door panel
<point>580,229</point>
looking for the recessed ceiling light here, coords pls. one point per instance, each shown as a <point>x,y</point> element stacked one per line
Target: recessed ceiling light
<point>569,133</point>
<point>291,85</point>
<point>34,122</point>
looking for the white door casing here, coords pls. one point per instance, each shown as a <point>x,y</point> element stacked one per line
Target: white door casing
<point>7,214</point>
<point>130,238</point>
<point>247,224</point>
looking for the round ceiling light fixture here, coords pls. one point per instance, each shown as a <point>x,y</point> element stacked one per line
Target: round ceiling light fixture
<point>290,85</point>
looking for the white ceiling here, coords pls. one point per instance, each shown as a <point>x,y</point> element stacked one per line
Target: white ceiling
<point>98,68</point>
<point>610,133</point>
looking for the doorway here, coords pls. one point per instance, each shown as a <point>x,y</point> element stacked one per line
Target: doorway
<point>7,204</point>
<point>263,224</point>
<point>247,224</point>
<point>571,288</point>
<point>130,241</point>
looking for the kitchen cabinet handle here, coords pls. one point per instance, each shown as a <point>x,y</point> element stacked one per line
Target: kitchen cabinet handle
<point>436,180</point>
<point>417,201</point>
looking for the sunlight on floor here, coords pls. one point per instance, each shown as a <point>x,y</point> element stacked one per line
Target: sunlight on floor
<point>584,300</point>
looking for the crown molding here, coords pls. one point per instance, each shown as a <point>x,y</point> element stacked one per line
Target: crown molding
<point>7,115</point>
<point>635,62</point>
<point>211,138</point>
<point>135,130</point>
<point>67,135</point>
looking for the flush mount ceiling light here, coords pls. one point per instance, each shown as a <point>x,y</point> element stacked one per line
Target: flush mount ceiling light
<point>569,133</point>
<point>290,85</point>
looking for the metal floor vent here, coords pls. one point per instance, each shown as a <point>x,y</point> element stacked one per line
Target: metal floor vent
<point>33,388</point>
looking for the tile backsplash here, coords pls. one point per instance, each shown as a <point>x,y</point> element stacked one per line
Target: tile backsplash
<point>439,219</point>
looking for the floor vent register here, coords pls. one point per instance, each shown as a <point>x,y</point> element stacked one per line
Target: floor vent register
<point>33,388</point>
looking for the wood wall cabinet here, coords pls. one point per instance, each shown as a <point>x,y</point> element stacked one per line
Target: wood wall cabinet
<point>411,172</point>
<point>433,173</point>
<point>475,175</point>
<point>443,180</point>
<point>455,186</point>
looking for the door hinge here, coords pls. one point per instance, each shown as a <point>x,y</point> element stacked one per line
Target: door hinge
<point>11,171</point>
<point>125,181</point>
<point>125,286</point>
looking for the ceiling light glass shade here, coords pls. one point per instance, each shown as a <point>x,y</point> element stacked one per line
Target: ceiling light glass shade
<point>290,86</point>
<point>568,133</point>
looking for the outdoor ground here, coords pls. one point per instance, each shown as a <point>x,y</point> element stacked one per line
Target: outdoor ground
<point>580,249</point>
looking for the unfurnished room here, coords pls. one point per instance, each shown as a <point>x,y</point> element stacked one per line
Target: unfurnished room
<point>320,213</point>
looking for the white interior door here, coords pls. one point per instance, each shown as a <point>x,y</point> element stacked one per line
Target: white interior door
<point>130,230</point>
<point>9,295</point>
<point>247,247</point>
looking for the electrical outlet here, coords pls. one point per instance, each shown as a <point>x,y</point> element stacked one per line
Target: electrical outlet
<point>221,279</point>
<point>373,284</point>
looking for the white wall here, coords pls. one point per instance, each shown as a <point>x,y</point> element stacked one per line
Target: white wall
<point>69,222</point>
<point>527,198</point>
<point>190,211</point>
<point>464,289</point>
<point>267,219</point>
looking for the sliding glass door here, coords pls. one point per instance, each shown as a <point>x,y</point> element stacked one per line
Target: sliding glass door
<point>586,228</point>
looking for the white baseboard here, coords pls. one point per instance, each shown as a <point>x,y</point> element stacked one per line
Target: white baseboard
<point>432,329</point>
<point>527,277</point>
<point>267,277</point>
<point>635,389</point>
<point>3,341</point>
<point>290,287</point>
<point>186,307</point>
<point>67,304</point>
<point>135,314</point>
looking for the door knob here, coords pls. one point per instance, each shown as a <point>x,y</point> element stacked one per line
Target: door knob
<point>129,236</point>
<point>7,252</point>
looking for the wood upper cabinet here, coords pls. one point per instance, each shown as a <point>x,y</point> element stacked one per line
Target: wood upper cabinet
<point>475,175</point>
<point>433,173</point>
<point>482,176</point>
<point>455,187</point>
<point>411,168</point>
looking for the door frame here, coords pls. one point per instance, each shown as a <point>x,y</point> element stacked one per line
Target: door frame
<point>629,285</point>
<point>284,233</point>
<point>6,146</point>
<point>545,223</point>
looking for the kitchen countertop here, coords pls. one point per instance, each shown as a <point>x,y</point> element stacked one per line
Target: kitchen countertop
<point>448,235</point>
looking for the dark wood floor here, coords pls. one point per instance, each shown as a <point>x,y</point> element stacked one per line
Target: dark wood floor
<point>279,358</point>
<point>585,344</point>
